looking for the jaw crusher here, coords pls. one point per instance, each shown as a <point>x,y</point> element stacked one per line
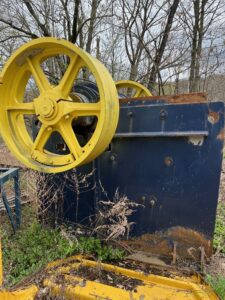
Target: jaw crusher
<point>163,152</point>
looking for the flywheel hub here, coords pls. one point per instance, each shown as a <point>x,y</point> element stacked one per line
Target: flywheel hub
<point>46,108</point>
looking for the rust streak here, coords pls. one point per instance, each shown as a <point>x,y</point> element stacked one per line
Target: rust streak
<point>162,243</point>
<point>176,99</point>
<point>220,136</point>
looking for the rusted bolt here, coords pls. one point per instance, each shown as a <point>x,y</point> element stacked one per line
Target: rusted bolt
<point>143,198</point>
<point>163,114</point>
<point>152,202</point>
<point>168,161</point>
<point>112,157</point>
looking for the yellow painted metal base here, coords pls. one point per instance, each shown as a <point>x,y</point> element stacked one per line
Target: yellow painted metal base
<point>26,294</point>
<point>151,287</point>
<point>63,283</point>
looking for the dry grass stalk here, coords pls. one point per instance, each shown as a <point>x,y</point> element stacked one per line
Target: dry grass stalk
<point>113,216</point>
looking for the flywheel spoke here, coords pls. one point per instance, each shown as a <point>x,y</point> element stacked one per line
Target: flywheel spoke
<point>22,108</point>
<point>41,138</point>
<point>38,74</point>
<point>138,93</point>
<point>69,76</point>
<point>67,133</point>
<point>76,109</point>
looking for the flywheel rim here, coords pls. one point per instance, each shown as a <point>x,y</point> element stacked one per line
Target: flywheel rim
<point>140,90</point>
<point>53,106</point>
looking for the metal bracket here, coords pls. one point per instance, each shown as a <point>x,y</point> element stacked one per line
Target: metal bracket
<point>6,175</point>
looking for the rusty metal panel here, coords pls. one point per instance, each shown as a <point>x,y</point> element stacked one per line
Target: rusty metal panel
<point>174,173</point>
<point>166,157</point>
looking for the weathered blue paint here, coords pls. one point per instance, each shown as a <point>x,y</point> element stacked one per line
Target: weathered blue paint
<point>6,175</point>
<point>184,192</point>
<point>166,157</point>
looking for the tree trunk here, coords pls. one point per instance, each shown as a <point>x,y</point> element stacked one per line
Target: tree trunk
<point>199,46</point>
<point>74,34</point>
<point>98,48</point>
<point>94,6</point>
<point>196,52</point>
<point>160,51</point>
<point>133,72</point>
<point>192,84</point>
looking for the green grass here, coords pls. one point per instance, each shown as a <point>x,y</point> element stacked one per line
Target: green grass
<point>33,246</point>
<point>218,285</point>
<point>218,282</point>
<point>219,234</point>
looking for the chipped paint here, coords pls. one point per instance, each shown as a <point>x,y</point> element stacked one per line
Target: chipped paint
<point>168,160</point>
<point>196,140</point>
<point>213,117</point>
<point>220,136</point>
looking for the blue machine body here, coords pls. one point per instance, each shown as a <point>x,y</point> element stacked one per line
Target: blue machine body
<point>166,157</point>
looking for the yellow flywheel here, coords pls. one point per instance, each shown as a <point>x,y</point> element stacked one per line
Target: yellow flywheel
<point>32,91</point>
<point>129,88</point>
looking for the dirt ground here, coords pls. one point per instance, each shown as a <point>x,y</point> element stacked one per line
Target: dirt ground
<point>7,159</point>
